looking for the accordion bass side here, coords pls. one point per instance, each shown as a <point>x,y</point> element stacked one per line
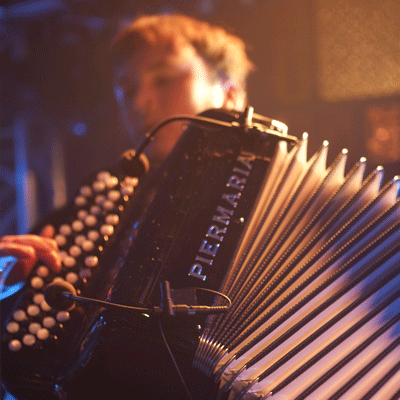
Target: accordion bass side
<point>308,255</point>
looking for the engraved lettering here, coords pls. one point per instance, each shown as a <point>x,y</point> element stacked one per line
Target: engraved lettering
<point>241,171</point>
<point>246,160</point>
<point>198,258</point>
<point>208,248</point>
<point>235,182</point>
<point>231,198</point>
<point>196,270</point>
<point>224,217</point>
<point>216,233</point>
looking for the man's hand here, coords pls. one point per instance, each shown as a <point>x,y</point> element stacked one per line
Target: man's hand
<point>28,249</point>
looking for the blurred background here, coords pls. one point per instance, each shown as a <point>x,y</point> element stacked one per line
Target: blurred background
<point>327,67</point>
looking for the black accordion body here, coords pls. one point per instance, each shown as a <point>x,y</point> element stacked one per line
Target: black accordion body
<point>308,255</point>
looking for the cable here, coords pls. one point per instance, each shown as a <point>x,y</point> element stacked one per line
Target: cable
<point>174,361</point>
<point>215,292</point>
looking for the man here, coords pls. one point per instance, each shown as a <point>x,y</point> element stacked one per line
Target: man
<point>163,66</point>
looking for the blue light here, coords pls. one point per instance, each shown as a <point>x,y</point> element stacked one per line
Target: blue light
<point>79,129</point>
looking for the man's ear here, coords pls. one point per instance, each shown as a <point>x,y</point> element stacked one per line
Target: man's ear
<point>235,98</point>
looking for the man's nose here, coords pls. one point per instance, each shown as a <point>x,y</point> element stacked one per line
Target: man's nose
<point>144,100</point>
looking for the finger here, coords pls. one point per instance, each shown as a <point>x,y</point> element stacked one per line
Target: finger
<point>37,242</point>
<point>50,258</point>
<point>48,231</point>
<point>17,250</point>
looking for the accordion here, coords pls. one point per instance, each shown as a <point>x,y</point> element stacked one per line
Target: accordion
<point>307,255</point>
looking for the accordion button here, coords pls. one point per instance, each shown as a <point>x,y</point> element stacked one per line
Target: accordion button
<point>82,214</point>
<point>80,201</point>
<point>42,334</point>
<point>85,273</point>
<point>95,210</point>
<point>91,220</point>
<point>37,282</point>
<point>65,230</point>
<point>87,245</point>
<point>15,345</point>
<point>72,277</point>
<point>127,190</point>
<point>91,261</point>
<point>93,235</point>
<point>77,225</point>
<point>100,199</point>
<point>98,186</point>
<point>86,191</point>
<point>108,205</point>
<point>75,251</point>
<point>19,315</point>
<point>111,182</point>
<point>63,316</point>
<point>61,240</point>
<point>79,239</point>
<point>49,322</point>
<point>112,219</point>
<point>12,327</point>
<point>34,327</point>
<point>107,230</point>
<point>131,181</point>
<point>103,175</point>
<point>33,310</point>
<point>38,298</point>
<point>114,195</point>
<point>29,339</point>
<point>69,261</point>
<point>42,271</point>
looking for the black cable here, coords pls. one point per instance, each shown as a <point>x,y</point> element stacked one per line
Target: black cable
<point>174,361</point>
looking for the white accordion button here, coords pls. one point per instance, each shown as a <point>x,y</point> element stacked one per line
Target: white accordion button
<point>19,315</point>
<point>37,282</point>
<point>65,230</point>
<point>99,186</point>
<point>49,322</point>
<point>29,339</point>
<point>86,191</point>
<point>127,190</point>
<point>80,201</point>
<point>85,273</point>
<point>79,239</point>
<point>72,277</point>
<point>63,316</point>
<point>93,235</point>
<point>61,240</point>
<point>87,245</point>
<point>111,182</point>
<point>112,219</point>
<point>82,214</point>
<point>12,327</point>
<point>77,225</point>
<point>33,310</point>
<point>103,175</point>
<point>75,251</point>
<point>38,298</point>
<point>42,271</point>
<point>95,210</point>
<point>107,230</point>
<point>34,328</point>
<point>100,199</point>
<point>108,205</point>
<point>113,195</point>
<point>15,345</point>
<point>42,334</point>
<point>91,261</point>
<point>131,181</point>
<point>91,220</point>
<point>69,261</point>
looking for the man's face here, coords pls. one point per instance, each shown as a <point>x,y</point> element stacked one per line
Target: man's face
<point>161,82</point>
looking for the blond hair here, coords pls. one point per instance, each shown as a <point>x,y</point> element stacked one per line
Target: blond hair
<point>224,53</point>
